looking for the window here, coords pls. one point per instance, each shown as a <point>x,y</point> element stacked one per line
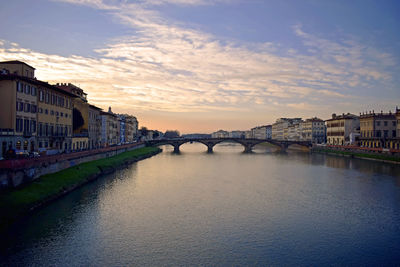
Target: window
<point>51,112</point>
<point>33,91</point>
<point>61,114</point>
<point>27,89</point>
<point>33,108</point>
<point>27,107</point>
<point>18,125</point>
<point>46,111</point>
<point>51,129</point>
<point>20,106</point>
<point>33,126</point>
<point>57,114</point>
<point>47,98</point>
<point>385,123</point>
<point>26,126</point>
<point>46,130</point>
<point>393,123</point>
<point>41,98</point>
<point>20,87</point>
<point>40,129</point>
<point>385,133</point>
<point>394,133</point>
<point>378,123</point>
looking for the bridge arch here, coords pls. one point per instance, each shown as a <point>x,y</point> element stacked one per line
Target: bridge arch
<point>248,144</point>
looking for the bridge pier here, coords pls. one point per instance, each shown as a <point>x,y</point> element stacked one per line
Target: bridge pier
<point>176,148</point>
<point>210,148</point>
<point>284,147</point>
<point>248,148</point>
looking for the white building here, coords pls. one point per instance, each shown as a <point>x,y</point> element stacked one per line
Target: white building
<point>262,132</point>
<point>313,130</point>
<point>220,134</point>
<point>338,128</point>
<point>280,129</point>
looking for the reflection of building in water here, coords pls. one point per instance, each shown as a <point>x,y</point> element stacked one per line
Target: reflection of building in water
<point>337,162</point>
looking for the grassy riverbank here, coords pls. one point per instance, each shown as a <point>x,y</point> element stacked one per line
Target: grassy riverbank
<point>379,157</point>
<point>16,203</point>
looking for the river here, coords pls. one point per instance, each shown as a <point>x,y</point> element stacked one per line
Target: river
<point>224,208</point>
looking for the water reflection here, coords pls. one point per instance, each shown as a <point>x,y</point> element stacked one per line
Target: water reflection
<point>224,208</point>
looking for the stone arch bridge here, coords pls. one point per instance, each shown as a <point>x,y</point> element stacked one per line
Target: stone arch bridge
<point>248,144</point>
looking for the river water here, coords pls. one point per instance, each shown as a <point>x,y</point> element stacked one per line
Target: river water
<point>225,208</point>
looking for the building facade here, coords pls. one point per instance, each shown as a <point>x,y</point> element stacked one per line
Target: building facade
<point>18,109</point>
<point>338,128</point>
<point>280,129</point>
<point>313,130</point>
<point>220,134</point>
<point>39,116</point>
<point>109,128</point>
<point>378,130</point>
<point>80,113</point>
<point>94,127</point>
<point>55,119</point>
<point>262,132</point>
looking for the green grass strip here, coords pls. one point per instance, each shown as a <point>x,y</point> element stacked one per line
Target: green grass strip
<point>360,155</point>
<point>16,202</point>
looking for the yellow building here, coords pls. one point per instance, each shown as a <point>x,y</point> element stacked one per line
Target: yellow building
<point>54,119</point>
<point>80,114</point>
<point>18,107</point>
<point>36,116</point>
<point>377,130</point>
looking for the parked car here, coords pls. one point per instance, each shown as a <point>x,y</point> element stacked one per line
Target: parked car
<point>34,154</point>
<point>19,153</point>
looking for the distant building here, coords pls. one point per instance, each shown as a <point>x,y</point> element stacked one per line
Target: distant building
<point>338,128</point>
<point>262,132</point>
<point>248,135</point>
<point>220,134</point>
<point>313,130</point>
<point>196,136</point>
<point>280,129</point>
<point>80,122</point>
<point>237,134</point>
<point>109,128</point>
<point>128,128</point>
<point>377,129</point>
<point>94,127</point>
<point>396,141</point>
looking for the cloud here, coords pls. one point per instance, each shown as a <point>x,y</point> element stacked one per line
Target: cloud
<point>168,67</point>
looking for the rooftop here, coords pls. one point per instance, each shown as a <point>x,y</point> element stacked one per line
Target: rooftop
<point>16,62</point>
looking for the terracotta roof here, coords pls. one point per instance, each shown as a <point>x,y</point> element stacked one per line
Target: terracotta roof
<point>16,62</point>
<point>34,81</point>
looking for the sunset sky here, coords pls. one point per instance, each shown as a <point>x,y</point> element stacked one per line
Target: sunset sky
<point>205,65</point>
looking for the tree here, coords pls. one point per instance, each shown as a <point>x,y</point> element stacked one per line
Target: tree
<point>78,120</point>
<point>144,131</point>
<point>171,134</point>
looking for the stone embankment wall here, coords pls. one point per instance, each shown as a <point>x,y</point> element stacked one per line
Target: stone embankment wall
<point>14,173</point>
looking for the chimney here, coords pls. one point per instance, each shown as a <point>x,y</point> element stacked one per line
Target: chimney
<point>109,110</point>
